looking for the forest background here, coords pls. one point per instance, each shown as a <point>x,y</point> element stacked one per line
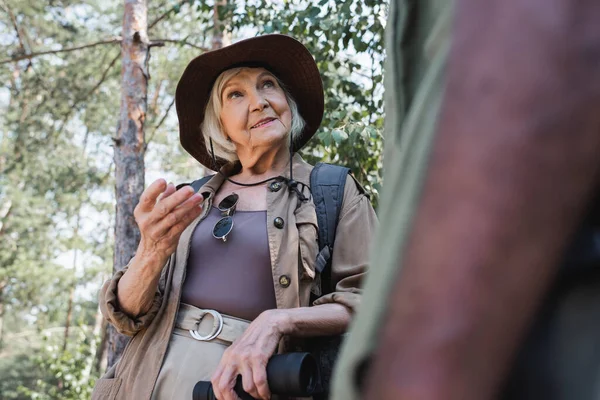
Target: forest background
<point>65,202</point>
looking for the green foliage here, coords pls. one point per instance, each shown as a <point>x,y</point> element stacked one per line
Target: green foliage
<point>68,375</point>
<point>346,39</point>
<point>55,110</point>
<point>46,174</point>
<point>18,372</point>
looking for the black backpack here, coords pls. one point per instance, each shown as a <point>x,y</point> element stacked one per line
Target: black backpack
<point>327,183</point>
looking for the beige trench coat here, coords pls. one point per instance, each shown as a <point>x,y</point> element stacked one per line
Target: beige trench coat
<point>293,249</point>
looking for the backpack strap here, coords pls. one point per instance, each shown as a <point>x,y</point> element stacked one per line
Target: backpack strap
<point>327,183</point>
<point>197,184</point>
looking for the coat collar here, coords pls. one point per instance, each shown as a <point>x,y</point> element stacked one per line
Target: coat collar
<point>300,168</point>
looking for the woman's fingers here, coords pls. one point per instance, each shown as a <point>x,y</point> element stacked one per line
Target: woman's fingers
<point>259,377</point>
<point>158,200</point>
<point>254,380</point>
<point>216,376</point>
<point>224,384</point>
<point>179,218</point>
<point>254,376</point>
<point>166,205</point>
<point>162,210</point>
<point>149,196</point>
<point>184,222</point>
<point>249,356</point>
<point>193,201</point>
<point>248,381</point>
<point>168,191</point>
<point>172,211</point>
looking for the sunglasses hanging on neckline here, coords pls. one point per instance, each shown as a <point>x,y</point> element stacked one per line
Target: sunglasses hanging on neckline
<point>224,226</point>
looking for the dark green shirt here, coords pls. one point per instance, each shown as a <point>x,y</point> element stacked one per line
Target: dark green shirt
<point>417,44</point>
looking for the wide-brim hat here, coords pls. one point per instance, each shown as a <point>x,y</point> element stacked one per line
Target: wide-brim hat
<point>282,55</point>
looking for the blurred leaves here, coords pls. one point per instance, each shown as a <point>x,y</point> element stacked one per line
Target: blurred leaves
<point>346,39</point>
<point>68,373</point>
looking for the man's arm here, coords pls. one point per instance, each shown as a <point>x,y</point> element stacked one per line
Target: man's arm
<point>513,166</point>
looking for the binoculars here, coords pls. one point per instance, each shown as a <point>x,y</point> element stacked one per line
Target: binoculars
<point>291,374</point>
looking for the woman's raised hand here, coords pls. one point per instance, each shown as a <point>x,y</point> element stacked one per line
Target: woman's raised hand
<point>162,215</point>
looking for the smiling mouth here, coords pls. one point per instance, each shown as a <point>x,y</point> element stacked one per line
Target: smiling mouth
<point>263,122</point>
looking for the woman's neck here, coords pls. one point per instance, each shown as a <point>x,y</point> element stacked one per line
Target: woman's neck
<point>266,165</point>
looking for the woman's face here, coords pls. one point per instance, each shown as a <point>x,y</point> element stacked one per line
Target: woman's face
<point>255,111</point>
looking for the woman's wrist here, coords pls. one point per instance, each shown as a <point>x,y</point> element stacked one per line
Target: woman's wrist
<point>147,255</point>
<point>146,268</point>
<point>321,320</point>
<point>281,320</point>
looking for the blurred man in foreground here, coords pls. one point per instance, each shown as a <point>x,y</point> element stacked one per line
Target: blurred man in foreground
<point>481,285</point>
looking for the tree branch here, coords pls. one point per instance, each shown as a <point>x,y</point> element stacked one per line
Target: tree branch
<point>43,53</point>
<point>179,42</point>
<point>103,77</point>
<point>164,117</point>
<point>13,19</point>
<point>85,96</point>
<point>163,16</point>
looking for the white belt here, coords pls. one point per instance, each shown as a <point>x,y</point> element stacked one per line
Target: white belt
<point>206,325</point>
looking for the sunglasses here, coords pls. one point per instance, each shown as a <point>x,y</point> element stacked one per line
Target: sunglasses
<point>224,226</point>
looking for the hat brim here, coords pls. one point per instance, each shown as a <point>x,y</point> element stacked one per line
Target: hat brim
<point>284,56</point>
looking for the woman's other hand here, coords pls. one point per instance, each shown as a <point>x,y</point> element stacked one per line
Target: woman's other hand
<point>162,215</point>
<point>248,356</point>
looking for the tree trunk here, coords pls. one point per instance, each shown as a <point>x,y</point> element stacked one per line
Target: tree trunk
<point>73,285</point>
<point>129,143</point>
<point>95,346</point>
<point>69,318</point>
<point>220,36</point>
<point>1,314</point>
<point>102,350</point>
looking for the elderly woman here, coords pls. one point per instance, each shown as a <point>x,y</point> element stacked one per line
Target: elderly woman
<point>222,277</point>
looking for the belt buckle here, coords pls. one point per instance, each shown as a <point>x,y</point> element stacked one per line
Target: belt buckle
<point>217,327</point>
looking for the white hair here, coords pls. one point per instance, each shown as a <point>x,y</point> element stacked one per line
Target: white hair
<point>212,127</point>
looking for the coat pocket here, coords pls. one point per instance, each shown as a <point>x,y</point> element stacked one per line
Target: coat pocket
<point>308,241</point>
<point>106,389</point>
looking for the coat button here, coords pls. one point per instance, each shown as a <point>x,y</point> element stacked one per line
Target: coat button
<point>275,186</point>
<point>284,281</point>
<point>278,222</point>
